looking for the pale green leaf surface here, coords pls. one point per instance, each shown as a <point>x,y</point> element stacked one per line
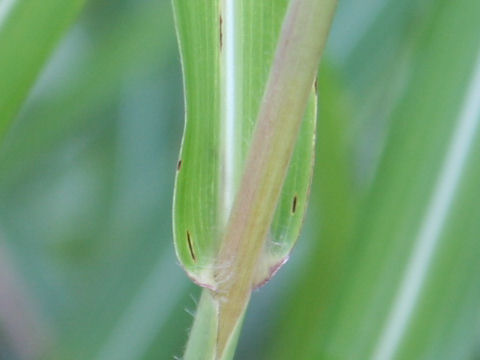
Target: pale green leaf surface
<point>226,58</point>
<point>29,31</point>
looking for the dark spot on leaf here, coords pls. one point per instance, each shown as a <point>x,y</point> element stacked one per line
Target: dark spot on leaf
<point>315,85</point>
<point>294,204</point>
<point>221,32</point>
<point>190,246</point>
<point>179,165</point>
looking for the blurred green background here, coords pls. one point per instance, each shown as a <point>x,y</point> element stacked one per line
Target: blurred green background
<point>87,265</point>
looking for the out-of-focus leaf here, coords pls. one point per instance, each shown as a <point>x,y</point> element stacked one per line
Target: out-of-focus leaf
<point>29,31</point>
<point>226,60</point>
<point>140,41</point>
<point>92,138</point>
<point>410,290</point>
<point>335,205</point>
<point>387,29</point>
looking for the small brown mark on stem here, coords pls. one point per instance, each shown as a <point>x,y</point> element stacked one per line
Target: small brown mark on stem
<point>315,85</point>
<point>190,246</point>
<point>179,165</point>
<point>294,204</point>
<point>221,32</point>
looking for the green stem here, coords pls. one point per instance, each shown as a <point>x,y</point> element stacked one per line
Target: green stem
<point>202,344</point>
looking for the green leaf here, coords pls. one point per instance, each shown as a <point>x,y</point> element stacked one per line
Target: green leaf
<point>227,50</point>
<point>234,270</point>
<point>29,31</point>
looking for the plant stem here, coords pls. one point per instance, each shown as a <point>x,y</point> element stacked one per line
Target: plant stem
<point>202,342</point>
<point>298,53</point>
